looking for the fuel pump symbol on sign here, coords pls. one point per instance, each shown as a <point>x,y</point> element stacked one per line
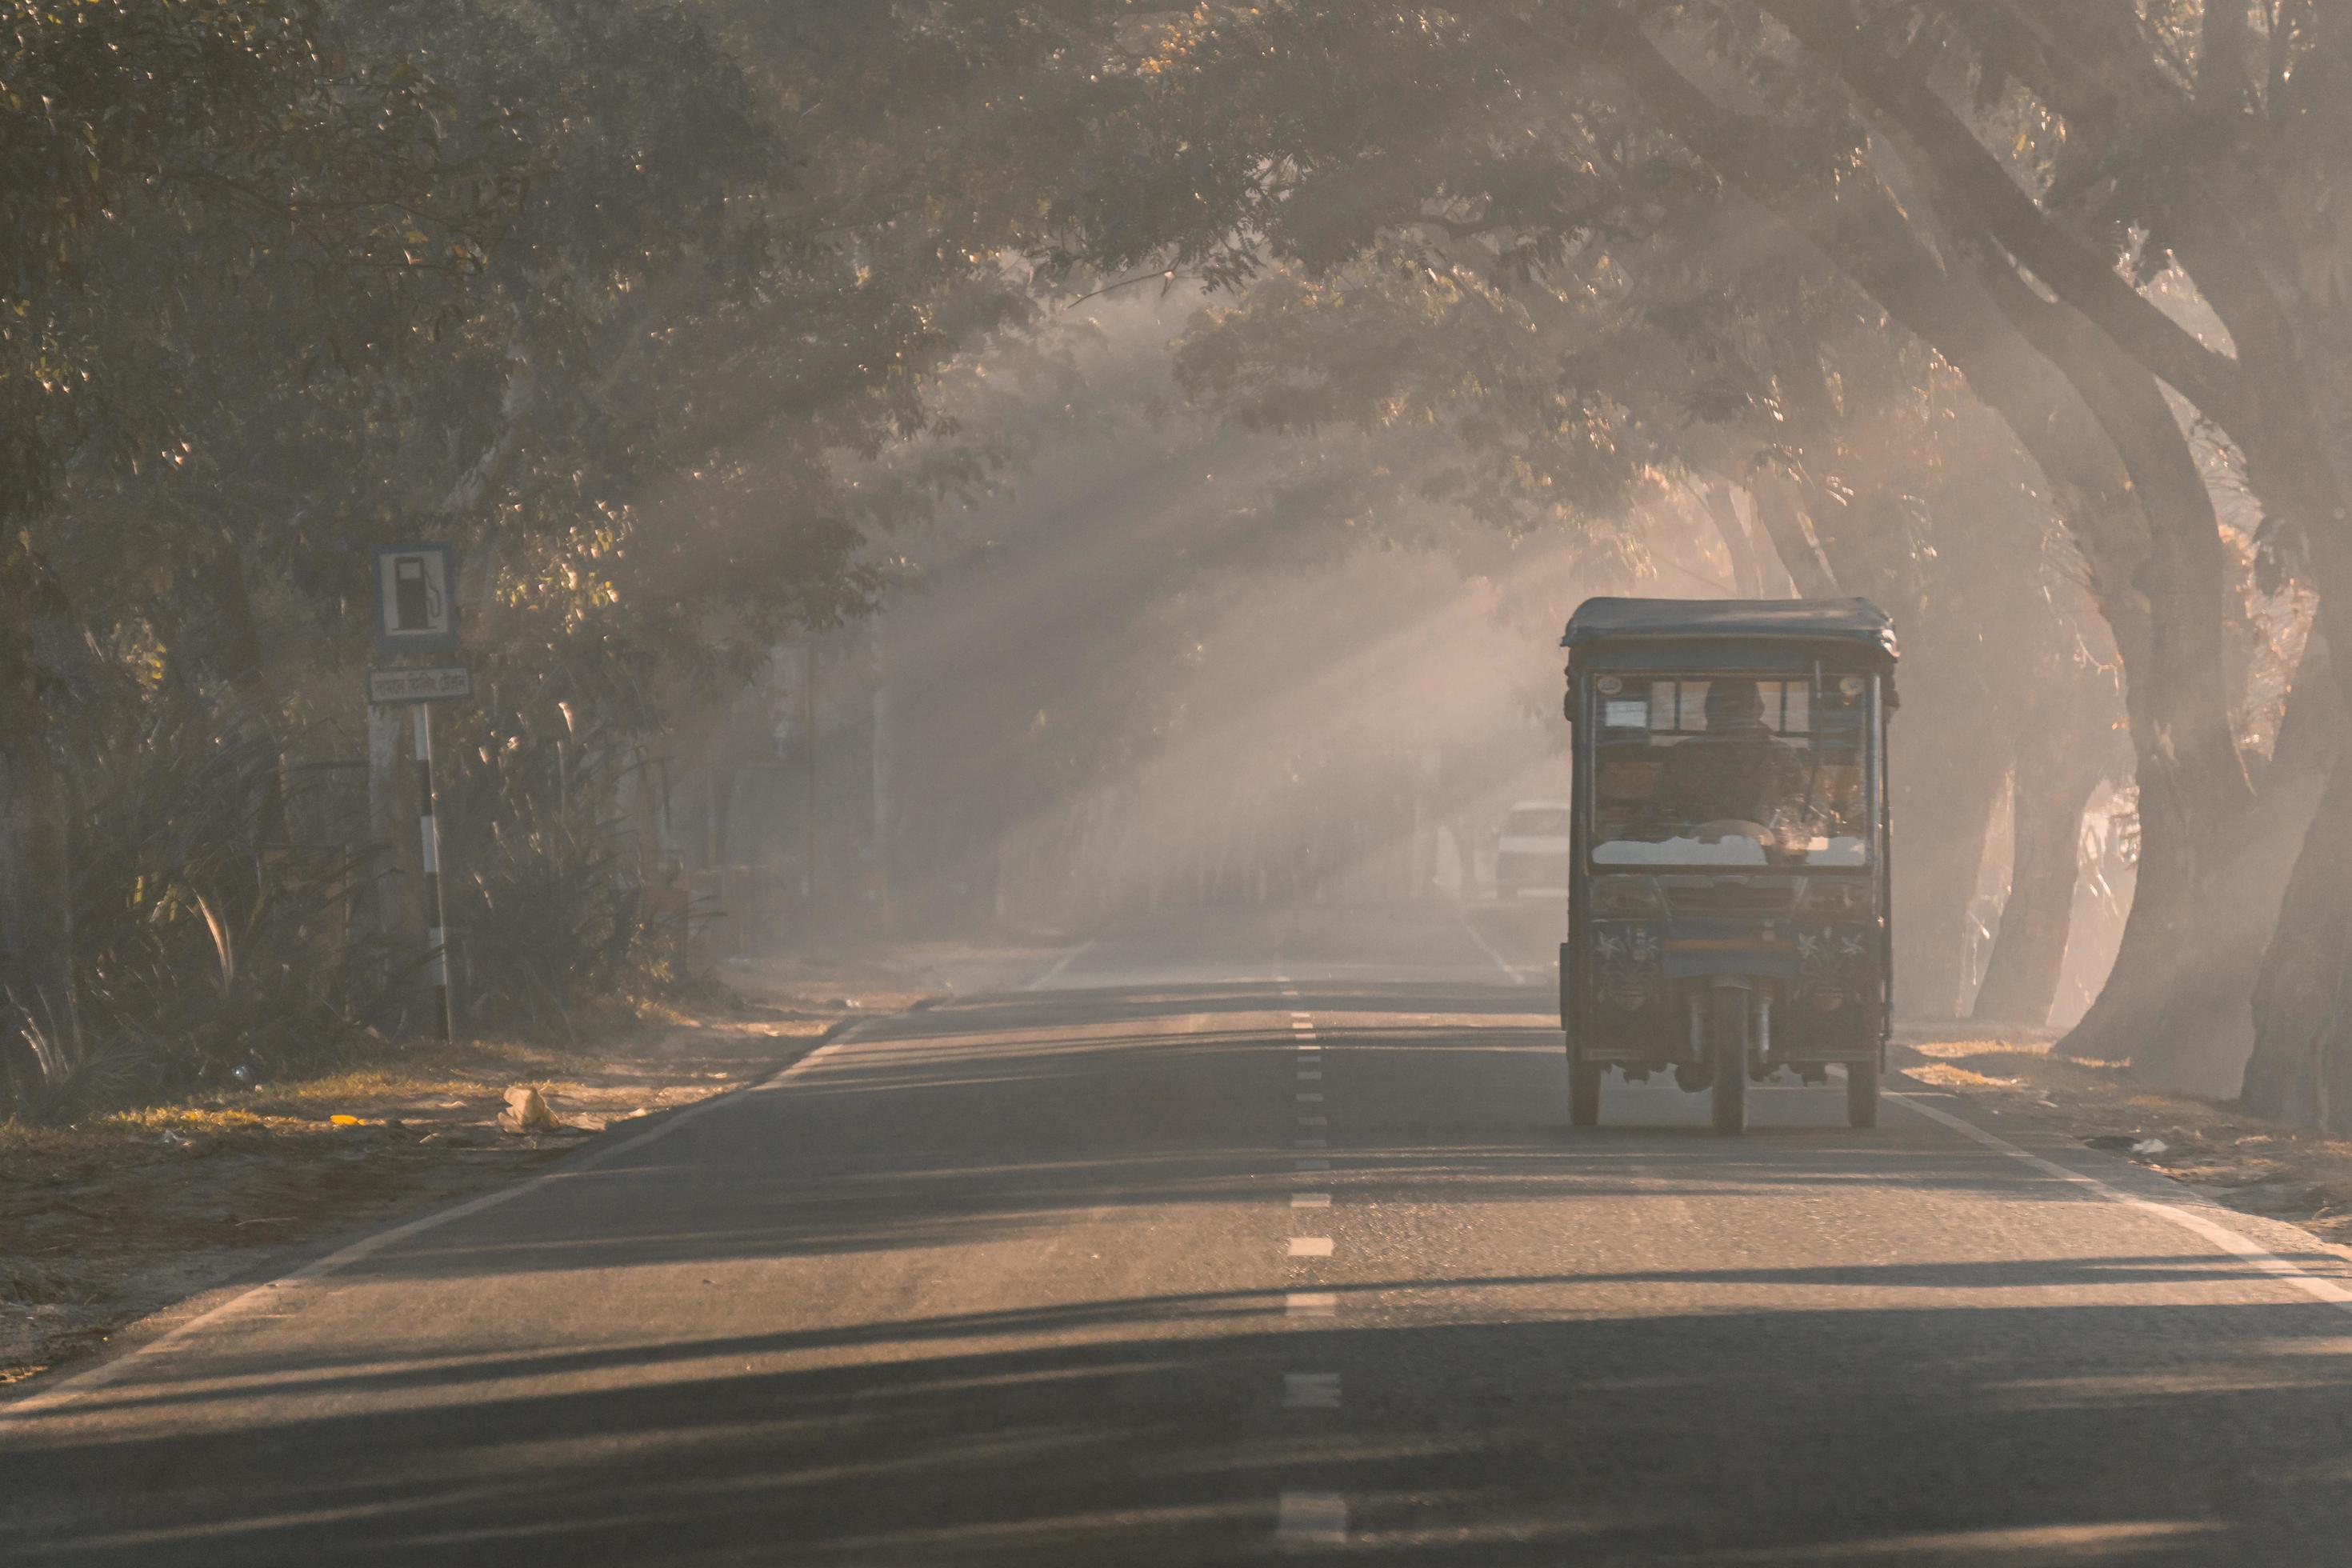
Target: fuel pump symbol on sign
<point>415,609</point>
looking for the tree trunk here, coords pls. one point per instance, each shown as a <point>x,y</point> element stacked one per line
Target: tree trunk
<point>38,1046</point>
<point>2300,1059</point>
<point>1784,524</point>
<point>40,1040</point>
<point>1935,871</point>
<point>2187,1020</point>
<point>2194,802</point>
<point>2300,1067</point>
<point>1746,570</point>
<point>2194,799</point>
<point>2029,953</point>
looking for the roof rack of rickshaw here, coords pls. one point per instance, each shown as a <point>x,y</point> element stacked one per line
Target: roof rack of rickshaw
<point>1857,622</point>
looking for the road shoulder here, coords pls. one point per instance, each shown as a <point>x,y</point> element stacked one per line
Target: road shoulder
<point>115,1230</point>
<point>2288,1187</point>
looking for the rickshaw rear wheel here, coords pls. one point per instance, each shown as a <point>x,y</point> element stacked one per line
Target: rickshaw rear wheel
<point>1862,1093</point>
<point>1727,1100</point>
<point>1584,1092</point>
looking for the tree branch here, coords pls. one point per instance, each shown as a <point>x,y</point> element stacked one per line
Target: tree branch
<point>2072,269</point>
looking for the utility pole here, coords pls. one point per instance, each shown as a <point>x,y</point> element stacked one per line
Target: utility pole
<point>882,761</point>
<point>808,730</point>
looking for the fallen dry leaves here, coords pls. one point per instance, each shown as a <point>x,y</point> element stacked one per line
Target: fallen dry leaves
<point>2236,1159</point>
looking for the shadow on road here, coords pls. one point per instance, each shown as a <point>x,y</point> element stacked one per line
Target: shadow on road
<point>1488,1443</point>
<point>1736,1410</point>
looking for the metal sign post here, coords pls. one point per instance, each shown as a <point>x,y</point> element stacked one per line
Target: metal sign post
<point>437,935</point>
<point>416,612</point>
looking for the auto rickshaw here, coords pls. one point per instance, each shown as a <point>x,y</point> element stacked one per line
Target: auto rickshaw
<point>1727,907</point>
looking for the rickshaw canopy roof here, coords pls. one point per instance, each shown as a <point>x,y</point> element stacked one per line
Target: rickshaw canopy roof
<point>1856,623</point>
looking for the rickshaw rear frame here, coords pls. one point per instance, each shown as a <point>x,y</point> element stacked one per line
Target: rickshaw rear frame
<point>1763,943</point>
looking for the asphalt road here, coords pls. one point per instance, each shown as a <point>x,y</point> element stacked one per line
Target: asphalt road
<point>1241,1239</point>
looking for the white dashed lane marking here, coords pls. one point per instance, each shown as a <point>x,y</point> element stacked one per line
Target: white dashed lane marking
<point>1310,1391</point>
<point>1307,1519</point>
<point>1310,1144</point>
<point>1311,1519</point>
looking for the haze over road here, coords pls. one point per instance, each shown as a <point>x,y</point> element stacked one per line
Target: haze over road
<point>1246,1236</point>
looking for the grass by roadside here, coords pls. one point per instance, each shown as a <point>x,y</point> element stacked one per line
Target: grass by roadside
<point>114,1217</point>
<point>2232,1157</point>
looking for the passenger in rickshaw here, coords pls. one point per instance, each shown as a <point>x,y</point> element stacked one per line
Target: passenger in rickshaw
<point>1734,775</point>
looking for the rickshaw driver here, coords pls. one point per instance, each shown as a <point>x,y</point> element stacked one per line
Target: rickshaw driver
<point>1735,773</point>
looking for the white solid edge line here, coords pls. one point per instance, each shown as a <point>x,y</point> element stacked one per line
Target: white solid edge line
<point>2221,1235</point>
<point>1059,964</point>
<point>97,1377</point>
<point>1488,949</point>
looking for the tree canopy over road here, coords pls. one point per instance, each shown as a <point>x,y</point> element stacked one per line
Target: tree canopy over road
<point>2032,323</point>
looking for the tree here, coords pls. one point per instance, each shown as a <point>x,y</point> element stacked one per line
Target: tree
<point>1461,232</point>
<point>2209,146</point>
<point>590,298</point>
<point>1297,134</point>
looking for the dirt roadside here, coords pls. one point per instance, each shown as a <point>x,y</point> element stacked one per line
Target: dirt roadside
<point>2219,1149</point>
<point>116,1217</point>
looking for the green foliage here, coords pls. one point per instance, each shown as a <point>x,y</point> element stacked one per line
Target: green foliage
<point>546,914</point>
<point>596,291</point>
<point>157,157</point>
<point>205,935</point>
